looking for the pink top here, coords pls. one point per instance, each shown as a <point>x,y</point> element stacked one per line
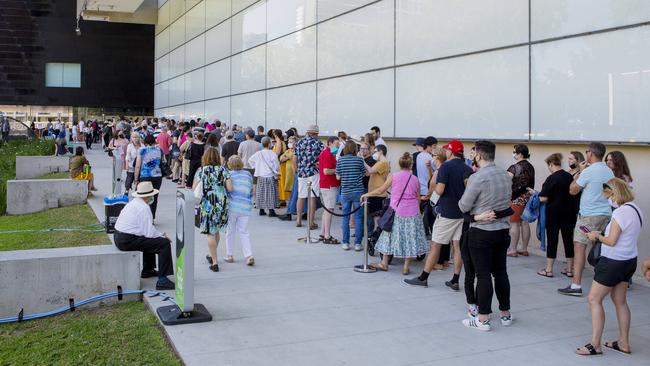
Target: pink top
<point>164,142</point>
<point>183,138</point>
<point>410,204</point>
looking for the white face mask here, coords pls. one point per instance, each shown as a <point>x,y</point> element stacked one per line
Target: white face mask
<point>375,156</point>
<point>290,145</point>
<point>612,203</point>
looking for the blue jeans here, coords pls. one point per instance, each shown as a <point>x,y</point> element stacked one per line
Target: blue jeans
<point>293,199</point>
<point>352,201</point>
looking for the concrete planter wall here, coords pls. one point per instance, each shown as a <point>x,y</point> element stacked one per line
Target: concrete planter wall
<point>28,167</point>
<point>45,279</point>
<point>28,196</point>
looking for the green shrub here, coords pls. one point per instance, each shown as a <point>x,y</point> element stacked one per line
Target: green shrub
<point>8,153</point>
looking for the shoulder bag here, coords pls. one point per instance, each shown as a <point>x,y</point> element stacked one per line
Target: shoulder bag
<point>594,253</point>
<point>386,220</point>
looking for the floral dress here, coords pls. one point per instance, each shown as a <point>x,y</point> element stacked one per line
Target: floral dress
<point>214,203</point>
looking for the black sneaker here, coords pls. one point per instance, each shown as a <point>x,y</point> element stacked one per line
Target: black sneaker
<point>148,273</point>
<point>165,284</point>
<point>272,213</point>
<point>262,213</point>
<point>453,285</point>
<point>570,291</point>
<point>415,281</point>
<point>285,217</point>
<point>214,268</point>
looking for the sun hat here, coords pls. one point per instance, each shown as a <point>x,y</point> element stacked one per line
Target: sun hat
<point>455,146</point>
<point>419,142</point>
<point>313,129</point>
<point>145,189</point>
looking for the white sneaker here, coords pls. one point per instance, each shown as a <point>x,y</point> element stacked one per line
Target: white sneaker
<point>345,246</point>
<point>506,321</point>
<point>472,311</point>
<point>358,247</point>
<point>474,323</point>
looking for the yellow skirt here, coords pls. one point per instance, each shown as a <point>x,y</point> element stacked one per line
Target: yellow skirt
<point>282,194</point>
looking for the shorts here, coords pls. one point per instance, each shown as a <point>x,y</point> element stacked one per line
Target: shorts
<point>445,230</point>
<point>328,197</point>
<point>519,210</point>
<point>315,186</point>
<point>610,272</point>
<point>594,223</point>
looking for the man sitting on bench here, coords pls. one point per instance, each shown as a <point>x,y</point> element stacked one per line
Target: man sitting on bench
<point>134,231</point>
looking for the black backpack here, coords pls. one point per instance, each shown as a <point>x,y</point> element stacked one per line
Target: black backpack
<point>414,168</point>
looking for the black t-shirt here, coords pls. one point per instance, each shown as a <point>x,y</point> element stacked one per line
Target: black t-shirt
<point>371,162</point>
<point>452,173</point>
<point>229,149</point>
<point>259,138</point>
<point>561,207</point>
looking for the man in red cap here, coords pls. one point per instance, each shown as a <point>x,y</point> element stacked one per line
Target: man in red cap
<point>447,228</point>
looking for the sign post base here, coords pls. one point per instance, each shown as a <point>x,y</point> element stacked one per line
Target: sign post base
<point>172,315</point>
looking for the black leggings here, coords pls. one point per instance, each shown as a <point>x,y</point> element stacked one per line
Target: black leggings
<point>470,273</point>
<point>552,238</point>
<point>156,182</point>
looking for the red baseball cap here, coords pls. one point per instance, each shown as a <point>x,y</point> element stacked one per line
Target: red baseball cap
<point>455,146</point>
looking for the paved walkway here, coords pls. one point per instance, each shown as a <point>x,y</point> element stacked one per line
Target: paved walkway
<point>302,304</point>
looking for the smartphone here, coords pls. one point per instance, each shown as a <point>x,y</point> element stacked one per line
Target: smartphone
<point>584,229</point>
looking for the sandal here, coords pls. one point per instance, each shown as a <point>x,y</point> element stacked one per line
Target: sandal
<point>229,259</point>
<point>524,253</point>
<point>331,240</point>
<point>313,226</point>
<point>250,261</point>
<point>543,272</point>
<point>567,273</point>
<point>378,266</point>
<point>590,348</point>
<point>614,346</point>
<point>513,254</point>
<point>299,225</point>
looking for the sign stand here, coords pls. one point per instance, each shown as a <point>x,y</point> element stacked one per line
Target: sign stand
<point>307,239</point>
<point>185,311</point>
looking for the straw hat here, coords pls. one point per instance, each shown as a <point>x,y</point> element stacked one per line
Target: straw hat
<point>312,129</point>
<point>145,189</point>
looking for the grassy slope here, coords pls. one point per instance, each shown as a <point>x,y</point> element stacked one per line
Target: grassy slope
<point>64,217</point>
<point>120,334</point>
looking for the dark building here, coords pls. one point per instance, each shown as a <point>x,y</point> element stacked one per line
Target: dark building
<point>115,61</point>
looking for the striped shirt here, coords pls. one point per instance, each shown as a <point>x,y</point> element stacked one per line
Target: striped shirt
<point>240,200</point>
<point>351,169</point>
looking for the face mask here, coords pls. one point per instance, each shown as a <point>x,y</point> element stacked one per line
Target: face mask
<point>375,156</point>
<point>612,203</point>
<point>290,145</point>
<point>572,166</point>
<point>334,149</point>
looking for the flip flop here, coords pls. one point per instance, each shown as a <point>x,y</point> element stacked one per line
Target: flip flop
<point>544,273</point>
<point>513,254</point>
<point>614,346</point>
<point>567,273</point>
<point>591,349</point>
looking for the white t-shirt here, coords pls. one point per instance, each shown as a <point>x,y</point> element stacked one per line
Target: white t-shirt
<point>626,246</point>
<point>81,125</point>
<point>380,141</point>
<point>423,171</point>
<point>265,163</point>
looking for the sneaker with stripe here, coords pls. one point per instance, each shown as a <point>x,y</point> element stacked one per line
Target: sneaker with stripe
<point>474,323</point>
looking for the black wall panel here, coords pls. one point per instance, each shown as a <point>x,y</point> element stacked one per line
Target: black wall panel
<point>117,68</point>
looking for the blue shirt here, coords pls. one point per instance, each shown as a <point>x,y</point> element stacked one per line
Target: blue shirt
<point>351,169</point>
<point>307,152</point>
<point>150,157</point>
<point>240,200</point>
<point>452,174</point>
<point>592,202</point>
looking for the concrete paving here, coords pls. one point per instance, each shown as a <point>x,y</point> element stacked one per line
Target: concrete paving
<point>302,304</point>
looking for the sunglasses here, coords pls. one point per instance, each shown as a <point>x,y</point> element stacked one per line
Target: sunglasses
<point>606,187</point>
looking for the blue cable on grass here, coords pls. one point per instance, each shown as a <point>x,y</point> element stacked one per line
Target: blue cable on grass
<point>119,293</point>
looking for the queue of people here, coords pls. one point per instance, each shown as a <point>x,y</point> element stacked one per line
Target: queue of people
<point>442,201</point>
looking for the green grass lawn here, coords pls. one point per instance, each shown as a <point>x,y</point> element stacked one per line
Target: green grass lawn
<point>121,334</point>
<point>59,175</point>
<point>64,217</point>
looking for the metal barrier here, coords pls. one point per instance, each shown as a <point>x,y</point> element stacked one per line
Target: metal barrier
<point>364,268</point>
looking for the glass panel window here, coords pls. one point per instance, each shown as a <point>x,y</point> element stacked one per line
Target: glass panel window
<point>62,75</point>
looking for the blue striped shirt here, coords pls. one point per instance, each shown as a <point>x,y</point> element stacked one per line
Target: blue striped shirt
<point>351,169</point>
<point>240,200</point>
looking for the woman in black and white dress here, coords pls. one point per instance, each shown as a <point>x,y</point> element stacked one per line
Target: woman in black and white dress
<point>267,170</point>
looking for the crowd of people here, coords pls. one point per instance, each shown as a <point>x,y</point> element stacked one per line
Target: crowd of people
<point>441,201</point>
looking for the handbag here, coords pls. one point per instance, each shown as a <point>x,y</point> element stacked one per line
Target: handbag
<point>594,253</point>
<point>199,193</point>
<point>164,167</point>
<point>386,220</point>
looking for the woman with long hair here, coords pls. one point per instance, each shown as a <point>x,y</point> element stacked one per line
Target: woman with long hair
<point>617,162</point>
<point>615,267</point>
<point>215,183</point>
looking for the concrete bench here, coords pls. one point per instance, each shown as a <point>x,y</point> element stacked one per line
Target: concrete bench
<point>34,195</point>
<point>45,279</point>
<point>28,167</point>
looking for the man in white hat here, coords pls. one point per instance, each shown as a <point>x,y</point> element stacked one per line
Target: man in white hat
<point>134,231</point>
<point>305,163</point>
